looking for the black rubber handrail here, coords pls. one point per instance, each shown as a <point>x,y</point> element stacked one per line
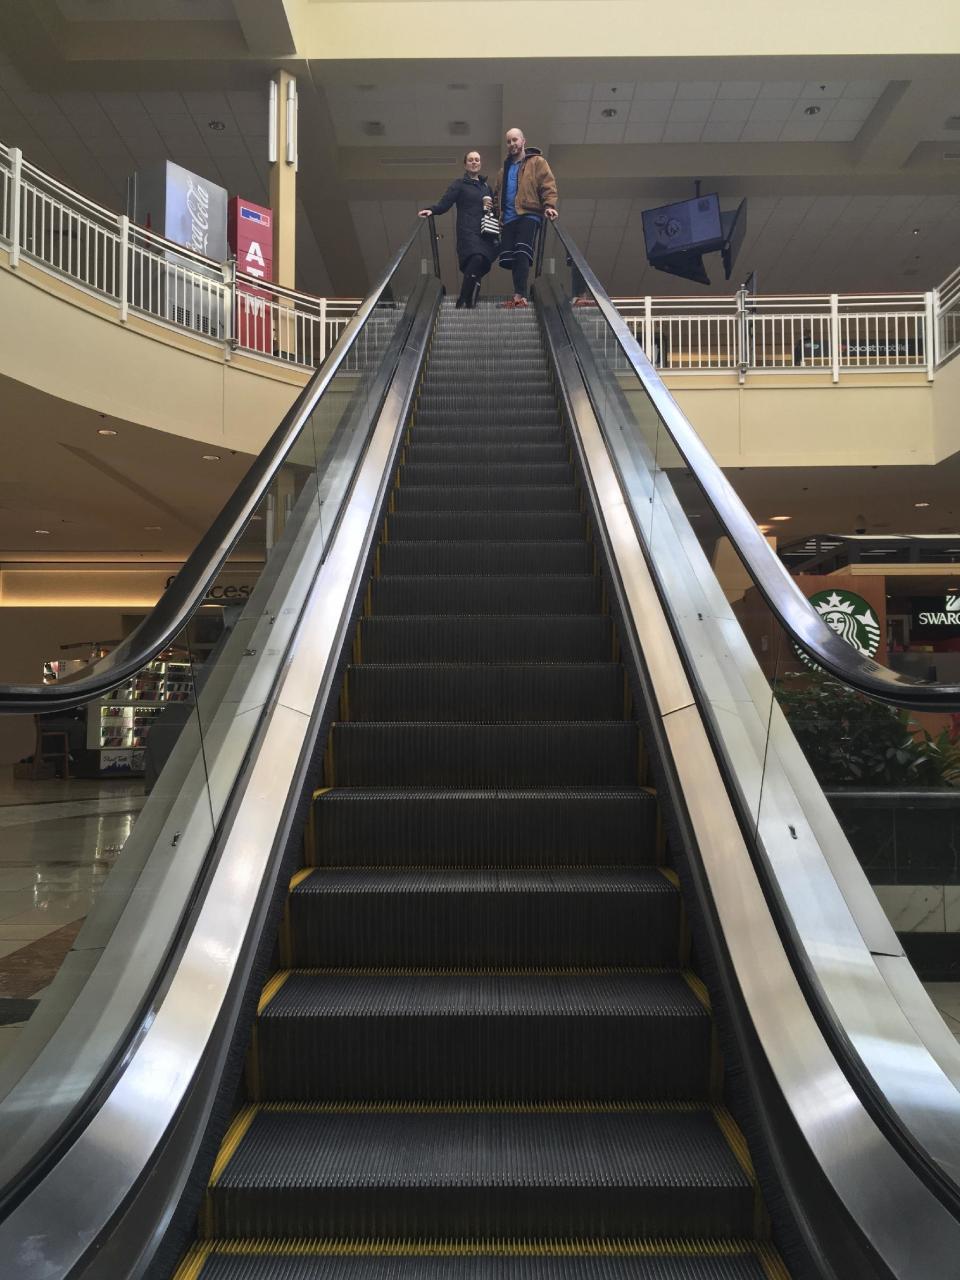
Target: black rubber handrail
<point>793,611</point>
<point>188,590</point>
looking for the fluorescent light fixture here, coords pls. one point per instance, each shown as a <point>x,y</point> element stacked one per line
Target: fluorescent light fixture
<point>781,518</point>
<point>105,431</point>
<point>272,121</point>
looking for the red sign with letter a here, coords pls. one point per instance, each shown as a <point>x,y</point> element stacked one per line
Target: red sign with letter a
<point>250,232</point>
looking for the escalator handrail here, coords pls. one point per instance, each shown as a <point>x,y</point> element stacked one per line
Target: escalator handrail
<point>793,611</point>
<point>189,588</point>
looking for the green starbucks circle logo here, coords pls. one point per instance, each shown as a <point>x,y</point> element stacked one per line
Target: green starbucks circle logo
<point>850,617</point>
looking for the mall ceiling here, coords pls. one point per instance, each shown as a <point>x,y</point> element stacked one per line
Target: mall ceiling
<point>851,164</point>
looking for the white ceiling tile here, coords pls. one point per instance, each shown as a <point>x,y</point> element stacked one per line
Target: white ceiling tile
<point>607,131</point>
<point>612,91</point>
<point>855,109</point>
<point>639,131</point>
<point>823,88</point>
<point>804,130</point>
<point>662,90</point>
<point>760,131</point>
<point>679,132</point>
<point>721,131</point>
<point>572,112</point>
<point>689,112</point>
<point>597,109</point>
<point>698,89</point>
<point>739,88</point>
<point>574,92</point>
<point>164,103</point>
<point>649,111</point>
<point>838,131</point>
<point>120,106</point>
<point>252,101</point>
<point>781,89</point>
<point>579,207</point>
<point>771,109</point>
<point>568,134</point>
<point>206,104</point>
<point>730,109</point>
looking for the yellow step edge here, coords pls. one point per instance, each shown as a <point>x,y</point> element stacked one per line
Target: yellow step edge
<point>193,1263</point>
<point>493,971</point>
<point>698,988</point>
<point>299,876</point>
<point>773,1265</point>
<point>545,1248</point>
<point>668,873</point>
<point>232,1138</point>
<point>321,791</point>
<point>738,1145</point>
<point>273,986</point>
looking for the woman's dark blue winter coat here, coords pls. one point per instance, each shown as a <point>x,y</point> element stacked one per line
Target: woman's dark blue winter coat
<point>467,194</point>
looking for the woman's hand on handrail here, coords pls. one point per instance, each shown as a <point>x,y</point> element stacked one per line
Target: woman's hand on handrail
<point>424,213</point>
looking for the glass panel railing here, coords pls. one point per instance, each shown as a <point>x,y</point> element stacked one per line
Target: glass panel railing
<point>118,801</point>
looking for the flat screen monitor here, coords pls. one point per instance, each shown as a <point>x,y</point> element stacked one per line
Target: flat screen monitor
<point>687,226</point>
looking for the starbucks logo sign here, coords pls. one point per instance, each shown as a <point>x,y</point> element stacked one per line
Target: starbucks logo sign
<point>849,616</point>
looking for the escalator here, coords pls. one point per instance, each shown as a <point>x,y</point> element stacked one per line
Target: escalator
<point>485,1026</point>
<point>467,938</point>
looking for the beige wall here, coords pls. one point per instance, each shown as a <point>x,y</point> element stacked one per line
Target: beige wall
<point>73,346</point>
<point>945,409</point>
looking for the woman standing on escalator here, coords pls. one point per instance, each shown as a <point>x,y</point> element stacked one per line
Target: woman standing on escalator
<point>472,196</point>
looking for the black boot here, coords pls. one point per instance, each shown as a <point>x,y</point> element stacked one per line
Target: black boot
<point>474,294</point>
<point>465,292</point>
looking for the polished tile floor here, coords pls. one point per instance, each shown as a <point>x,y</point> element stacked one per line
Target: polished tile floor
<point>58,841</point>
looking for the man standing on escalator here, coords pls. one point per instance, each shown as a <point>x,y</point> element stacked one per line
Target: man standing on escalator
<point>525,194</point>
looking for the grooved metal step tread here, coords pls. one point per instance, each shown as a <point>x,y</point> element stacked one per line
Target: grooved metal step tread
<point>493,881</point>
<point>489,593</point>
<point>444,753</point>
<point>479,1172</point>
<point>487,436</point>
<point>491,691</point>
<point>508,453</point>
<point>463,1260</point>
<point>621,994</point>
<point>457,476</point>
<point>484,918</point>
<point>469,637</point>
<point>480,497</point>
<point>445,524</point>
<point>485,556</point>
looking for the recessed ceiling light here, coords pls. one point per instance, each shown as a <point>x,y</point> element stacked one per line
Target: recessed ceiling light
<point>105,431</point>
<point>256,517</point>
<point>41,531</point>
<point>373,128</point>
<point>217,126</point>
<point>781,517</point>
<point>921,504</point>
<point>459,127</point>
<point>915,231</point>
<point>210,457</point>
<point>152,528</point>
<point>811,111</point>
<point>609,112</point>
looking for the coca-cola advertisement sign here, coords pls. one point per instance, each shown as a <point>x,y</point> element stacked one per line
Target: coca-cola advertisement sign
<point>196,213</point>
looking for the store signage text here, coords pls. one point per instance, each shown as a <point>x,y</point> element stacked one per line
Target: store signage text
<point>219,594</point>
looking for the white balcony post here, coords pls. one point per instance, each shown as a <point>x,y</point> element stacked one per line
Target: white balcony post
<point>835,335</point>
<point>16,171</point>
<point>935,321</point>
<point>124,250</point>
<point>648,346</point>
<point>229,272</point>
<point>929,334</point>
<point>323,330</point>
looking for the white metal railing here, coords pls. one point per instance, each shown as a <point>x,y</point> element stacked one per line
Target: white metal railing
<point>137,270</point>
<point>102,252</point>
<point>947,316</point>
<point>746,332</point>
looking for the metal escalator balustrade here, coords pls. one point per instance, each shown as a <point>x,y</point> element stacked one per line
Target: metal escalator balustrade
<point>485,1052</point>
<point>103,1005</point>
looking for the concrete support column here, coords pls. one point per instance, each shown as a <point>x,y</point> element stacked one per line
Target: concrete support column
<point>283,176</point>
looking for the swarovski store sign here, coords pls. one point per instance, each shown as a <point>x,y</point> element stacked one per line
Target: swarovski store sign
<point>935,617</point>
<point>189,210</point>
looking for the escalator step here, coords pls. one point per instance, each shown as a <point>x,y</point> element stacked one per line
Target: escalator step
<point>611,916</point>
<point>535,691</point>
<point>307,1171</point>
<point>480,638</point>
<point>490,474</point>
<point>485,557</point>
<point>655,1261</point>
<point>425,497</point>
<point>468,416</point>
<point>440,754</point>
<point>507,453</point>
<point>445,525</point>
<point>486,437</point>
<point>377,828</point>
<point>486,594</point>
<point>502,1037</point>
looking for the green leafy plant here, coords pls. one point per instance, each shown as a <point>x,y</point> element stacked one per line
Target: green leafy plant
<point>850,740</point>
